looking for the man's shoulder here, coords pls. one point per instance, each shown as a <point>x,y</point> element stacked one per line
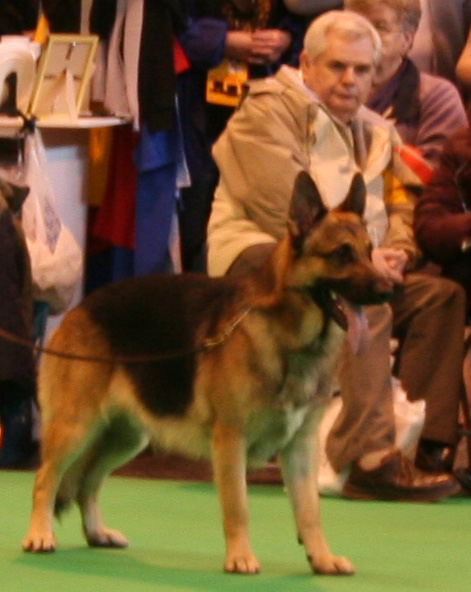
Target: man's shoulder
<point>283,93</point>
<point>431,84</point>
<point>286,79</point>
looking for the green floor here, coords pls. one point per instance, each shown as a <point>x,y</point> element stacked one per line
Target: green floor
<point>176,543</point>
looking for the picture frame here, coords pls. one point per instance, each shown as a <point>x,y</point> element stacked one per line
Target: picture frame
<point>63,76</point>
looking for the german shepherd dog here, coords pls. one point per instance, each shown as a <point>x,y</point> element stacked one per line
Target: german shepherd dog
<point>236,369</point>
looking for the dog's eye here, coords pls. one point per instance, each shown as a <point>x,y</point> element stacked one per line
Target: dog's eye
<point>343,255</point>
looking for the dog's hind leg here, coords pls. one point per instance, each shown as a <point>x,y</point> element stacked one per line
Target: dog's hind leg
<point>120,442</point>
<point>299,467</point>
<point>229,463</point>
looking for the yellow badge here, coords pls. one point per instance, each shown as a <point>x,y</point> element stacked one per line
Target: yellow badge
<point>225,83</point>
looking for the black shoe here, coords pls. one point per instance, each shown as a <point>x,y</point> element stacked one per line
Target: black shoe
<point>397,479</point>
<point>463,476</point>
<point>17,447</point>
<point>434,457</point>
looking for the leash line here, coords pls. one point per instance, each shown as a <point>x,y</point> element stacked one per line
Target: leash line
<point>208,344</point>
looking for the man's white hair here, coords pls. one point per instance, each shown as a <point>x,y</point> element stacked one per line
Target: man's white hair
<point>346,23</point>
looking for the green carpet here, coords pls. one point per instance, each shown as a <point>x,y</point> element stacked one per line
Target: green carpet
<point>176,543</point>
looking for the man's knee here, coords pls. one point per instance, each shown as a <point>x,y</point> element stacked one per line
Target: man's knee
<point>448,292</point>
<point>436,292</point>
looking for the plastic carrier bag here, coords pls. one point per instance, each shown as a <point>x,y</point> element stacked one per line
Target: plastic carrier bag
<point>56,257</point>
<point>409,420</point>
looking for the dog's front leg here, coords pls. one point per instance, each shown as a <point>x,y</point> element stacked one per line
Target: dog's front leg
<point>229,463</point>
<point>299,466</point>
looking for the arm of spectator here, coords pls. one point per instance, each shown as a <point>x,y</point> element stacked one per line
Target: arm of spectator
<point>391,264</point>
<point>204,42</point>
<point>259,158</point>
<point>264,46</point>
<point>400,208</point>
<point>442,220</point>
<point>463,65</point>
<point>268,45</point>
<point>441,113</point>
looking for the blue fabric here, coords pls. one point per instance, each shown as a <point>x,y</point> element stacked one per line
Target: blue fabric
<point>155,206</point>
<point>157,157</point>
<point>203,42</point>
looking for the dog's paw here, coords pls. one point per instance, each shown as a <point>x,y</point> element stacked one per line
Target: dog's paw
<point>241,563</point>
<point>331,565</point>
<point>39,542</point>
<point>106,537</point>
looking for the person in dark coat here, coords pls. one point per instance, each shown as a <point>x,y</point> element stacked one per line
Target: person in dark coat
<point>217,30</point>
<point>443,213</point>
<point>21,16</point>
<point>17,365</point>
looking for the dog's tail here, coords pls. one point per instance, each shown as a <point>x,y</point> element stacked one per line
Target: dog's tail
<point>61,506</point>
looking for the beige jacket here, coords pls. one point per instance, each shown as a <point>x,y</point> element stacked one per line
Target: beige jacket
<point>281,129</point>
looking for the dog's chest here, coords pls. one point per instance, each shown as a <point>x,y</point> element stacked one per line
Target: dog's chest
<point>305,390</point>
<point>303,377</point>
<point>270,430</point>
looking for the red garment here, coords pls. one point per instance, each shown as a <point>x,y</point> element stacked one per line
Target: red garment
<point>114,223</point>
<point>180,60</point>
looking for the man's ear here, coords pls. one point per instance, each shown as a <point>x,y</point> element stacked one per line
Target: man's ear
<point>306,210</point>
<point>409,40</point>
<point>303,61</point>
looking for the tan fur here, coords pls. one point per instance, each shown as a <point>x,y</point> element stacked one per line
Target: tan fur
<point>262,391</point>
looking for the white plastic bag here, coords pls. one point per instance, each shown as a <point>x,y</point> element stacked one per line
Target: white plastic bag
<point>409,419</point>
<point>56,257</point>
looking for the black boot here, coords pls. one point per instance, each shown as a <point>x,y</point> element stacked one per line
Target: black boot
<point>16,418</point>
<point>435,457</point>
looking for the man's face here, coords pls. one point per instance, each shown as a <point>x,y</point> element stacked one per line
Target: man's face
<point>342,75</point>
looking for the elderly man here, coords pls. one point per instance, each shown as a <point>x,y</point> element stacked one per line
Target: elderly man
<point>314,120</point>
<point>425,108</point>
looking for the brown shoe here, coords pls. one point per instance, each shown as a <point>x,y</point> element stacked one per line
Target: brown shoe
<point>397,479</point>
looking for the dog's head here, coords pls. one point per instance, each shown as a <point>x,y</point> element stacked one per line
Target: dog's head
<point>331,250</point>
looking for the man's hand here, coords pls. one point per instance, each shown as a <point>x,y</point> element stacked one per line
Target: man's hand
<point>269,45</point>
<point>258,47</point>
<point>390,263</point>
<point>239,45</point>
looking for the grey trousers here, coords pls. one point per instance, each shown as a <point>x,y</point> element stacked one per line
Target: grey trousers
<point>427,316</point>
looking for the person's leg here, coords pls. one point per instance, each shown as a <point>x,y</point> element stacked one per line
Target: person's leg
<point>364,433</point>
<point>429,320</point>
<point>366,422</point>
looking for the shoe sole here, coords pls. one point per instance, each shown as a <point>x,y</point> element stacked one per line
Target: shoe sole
<point>352,492</point>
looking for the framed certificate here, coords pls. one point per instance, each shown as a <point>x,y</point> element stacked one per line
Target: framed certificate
<point>64,72</point>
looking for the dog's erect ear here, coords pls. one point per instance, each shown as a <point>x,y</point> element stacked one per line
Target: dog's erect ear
<point>306,208</point>
<point>356,198</point>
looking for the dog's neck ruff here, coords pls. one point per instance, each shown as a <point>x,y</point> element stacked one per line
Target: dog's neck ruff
<point>331,308</point>
<point>224,336</point>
